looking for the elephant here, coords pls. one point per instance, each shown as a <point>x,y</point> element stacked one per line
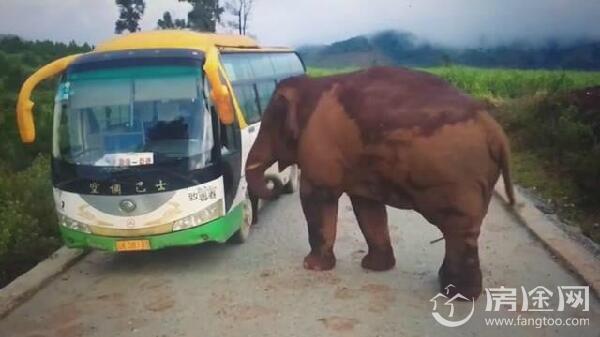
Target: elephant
<point>386,136</point>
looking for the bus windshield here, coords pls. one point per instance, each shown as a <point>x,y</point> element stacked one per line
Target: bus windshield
<point>132,116</point>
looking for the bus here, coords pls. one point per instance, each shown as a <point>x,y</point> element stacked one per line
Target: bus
<point>151,132</point>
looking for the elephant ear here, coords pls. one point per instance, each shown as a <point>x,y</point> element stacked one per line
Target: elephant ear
<point>290,118</point>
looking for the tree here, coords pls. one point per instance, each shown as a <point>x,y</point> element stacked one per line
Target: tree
<point>130,13</point>
<point>167,22</point>
<point>204,15</point>
<point>241,10</point>
<point>15,76</point>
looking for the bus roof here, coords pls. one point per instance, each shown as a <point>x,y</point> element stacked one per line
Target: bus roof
<point>177,39</point>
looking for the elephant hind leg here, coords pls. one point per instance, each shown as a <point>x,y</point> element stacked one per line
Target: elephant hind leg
<point>458,211</point>
<point>372,219</point>
<point>460,272</point>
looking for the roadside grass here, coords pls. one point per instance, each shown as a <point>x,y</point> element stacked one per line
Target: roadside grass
<point>514,83</point>
<point>557,191</point>
<point>555,140</point>
<point>533,172</point>
<point>555,143</point>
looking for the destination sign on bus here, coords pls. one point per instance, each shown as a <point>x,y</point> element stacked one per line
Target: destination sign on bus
<point>126,159</point>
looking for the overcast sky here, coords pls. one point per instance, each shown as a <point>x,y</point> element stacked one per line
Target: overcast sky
<point>295,22</point>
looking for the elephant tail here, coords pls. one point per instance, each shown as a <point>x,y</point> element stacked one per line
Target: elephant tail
<point>505,167</point>
<point>499,151</point>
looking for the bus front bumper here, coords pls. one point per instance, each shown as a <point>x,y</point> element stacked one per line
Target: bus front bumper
<point>219,230</point>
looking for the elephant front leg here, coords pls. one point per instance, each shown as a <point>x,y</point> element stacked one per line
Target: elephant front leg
<point>460,272</point>
<point>372,219</point>
<point>320,209</point>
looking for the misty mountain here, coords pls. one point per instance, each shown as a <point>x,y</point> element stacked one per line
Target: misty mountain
<point>403,48</point>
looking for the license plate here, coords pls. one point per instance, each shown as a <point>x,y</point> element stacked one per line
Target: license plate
<point>133,245</point>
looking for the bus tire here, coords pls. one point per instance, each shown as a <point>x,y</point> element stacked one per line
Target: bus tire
<point>294,182</point>
<point>243,232</point>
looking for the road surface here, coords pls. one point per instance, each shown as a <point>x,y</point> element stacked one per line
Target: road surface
<point>261,289</point>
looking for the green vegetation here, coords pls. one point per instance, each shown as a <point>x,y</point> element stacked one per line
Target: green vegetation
<point>556,145</point>
<point>509,83</point>
<point>19,59</point>
<point>130,13</point>
<point>202,17</point>
<point>553,121</point>
<point>28,229</point>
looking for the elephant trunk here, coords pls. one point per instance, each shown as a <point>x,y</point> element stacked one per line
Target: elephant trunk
<point>259,160</point>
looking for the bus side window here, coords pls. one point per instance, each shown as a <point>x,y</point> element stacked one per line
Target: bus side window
<point>237,67</point>
<point>247,99</point>
<point>261,65</point>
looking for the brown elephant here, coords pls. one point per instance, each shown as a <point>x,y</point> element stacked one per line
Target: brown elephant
<point>385,136</point>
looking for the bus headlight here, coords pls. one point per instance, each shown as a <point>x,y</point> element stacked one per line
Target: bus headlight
<point>69,223</point>
<point>212,212</point>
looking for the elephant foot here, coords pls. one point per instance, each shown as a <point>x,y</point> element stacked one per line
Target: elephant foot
<point>319,262</point>
<point>379,260</point>
<point>467,284</point>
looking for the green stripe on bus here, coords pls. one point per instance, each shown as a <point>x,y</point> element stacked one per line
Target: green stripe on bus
<point>219,230</point>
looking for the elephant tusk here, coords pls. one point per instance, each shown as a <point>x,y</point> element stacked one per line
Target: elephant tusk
<point>436,240</point>
<point>253,166</point>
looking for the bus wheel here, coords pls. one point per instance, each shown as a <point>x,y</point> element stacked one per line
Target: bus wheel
<point>294,182</point>
<point>243,233</point>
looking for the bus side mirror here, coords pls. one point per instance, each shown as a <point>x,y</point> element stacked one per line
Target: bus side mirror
<point>25,120</point>
<point>220,94</point>
<point>25,105</point>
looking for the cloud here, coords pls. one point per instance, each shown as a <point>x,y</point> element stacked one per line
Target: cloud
<point>80,20</point>
<point>451,22</point>
<point>292,22</point>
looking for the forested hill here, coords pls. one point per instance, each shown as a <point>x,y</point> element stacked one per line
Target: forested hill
<point>18,59</point>
<point>400,48</point>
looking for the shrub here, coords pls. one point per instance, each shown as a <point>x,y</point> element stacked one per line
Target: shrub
<point>563,137</point>
<point>28,226</point>
<point>28,229</point>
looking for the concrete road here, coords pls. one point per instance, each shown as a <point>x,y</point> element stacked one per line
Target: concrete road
<point>261,289</point>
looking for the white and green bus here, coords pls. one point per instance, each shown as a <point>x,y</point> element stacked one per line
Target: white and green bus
<point>151,135</point>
